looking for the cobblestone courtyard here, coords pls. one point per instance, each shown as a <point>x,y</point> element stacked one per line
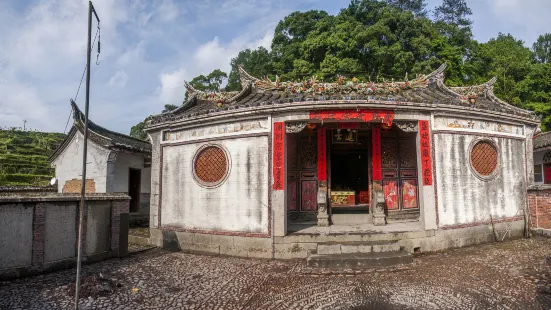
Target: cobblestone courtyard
<point>510,275</point>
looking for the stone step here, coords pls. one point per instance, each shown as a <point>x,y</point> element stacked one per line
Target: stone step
<point>351,219</point>
<point>358,260</point>
<point>329,248</point>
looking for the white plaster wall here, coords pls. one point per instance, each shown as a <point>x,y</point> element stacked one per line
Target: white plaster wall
<point>240,204</point>
<point>68,165</point>
<point>123,163</point>
<point>462,197</point>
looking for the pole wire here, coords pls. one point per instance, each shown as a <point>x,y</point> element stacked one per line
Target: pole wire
<point>83,73</point>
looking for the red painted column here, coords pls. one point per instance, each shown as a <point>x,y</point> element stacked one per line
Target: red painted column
<point>376,153</point>
<point>322,154</point>
<point>426,163</point>
<point>279,155</point>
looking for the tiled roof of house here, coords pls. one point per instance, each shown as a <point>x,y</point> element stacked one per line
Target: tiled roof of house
<point>423,89</point>
<point>542,140</point>
<point>104,137</point>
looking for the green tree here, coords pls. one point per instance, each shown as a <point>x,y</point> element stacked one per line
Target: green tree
<point>288,37</point>
<point>455,12</point>
<point>542,48</point>
<point>504,57</point>
<point>210,83</point>
<point>535,92</point>
<point>137,131</point>
<point>415,6</point>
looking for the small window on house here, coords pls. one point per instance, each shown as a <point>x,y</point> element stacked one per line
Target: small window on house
<point>538,173</point>
<point>211,165</point>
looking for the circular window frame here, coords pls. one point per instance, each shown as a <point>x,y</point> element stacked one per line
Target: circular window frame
<point>497,169</point>
<point>226,173</point>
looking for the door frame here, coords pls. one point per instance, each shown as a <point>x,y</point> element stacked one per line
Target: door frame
<point>139,191</point>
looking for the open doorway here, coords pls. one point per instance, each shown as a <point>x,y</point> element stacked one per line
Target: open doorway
<point>134,182</point>
<point>349,176</point>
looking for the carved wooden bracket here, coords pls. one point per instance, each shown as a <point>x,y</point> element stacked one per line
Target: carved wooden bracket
<point>407,126</point>
<point>295,127</point>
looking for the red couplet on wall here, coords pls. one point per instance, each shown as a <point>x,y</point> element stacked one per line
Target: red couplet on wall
<point>322,154</point>
<point>279,155</point>
<point>426,164</point>
<point>376,151</point>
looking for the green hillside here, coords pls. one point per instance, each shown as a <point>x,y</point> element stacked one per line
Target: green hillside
<point>24,156</point>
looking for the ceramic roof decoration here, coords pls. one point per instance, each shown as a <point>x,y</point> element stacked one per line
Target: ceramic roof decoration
<point>104,137</point>
<point>424,91</point>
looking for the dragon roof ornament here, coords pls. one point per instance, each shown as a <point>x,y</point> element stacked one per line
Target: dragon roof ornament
<point>218,97</point>
<point>340,86</point>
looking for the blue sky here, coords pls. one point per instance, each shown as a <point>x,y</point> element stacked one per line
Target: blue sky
<point>150,47</point>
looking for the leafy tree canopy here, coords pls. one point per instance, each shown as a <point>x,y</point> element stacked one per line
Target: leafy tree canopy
<point>542,48</point>
<point>385,39</point>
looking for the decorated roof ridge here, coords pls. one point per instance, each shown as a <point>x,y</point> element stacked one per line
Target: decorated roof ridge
<point>117,139</point>
<point>473,90</point>
<point>314,87</point>
<point>220,97</point>
<point>246,78</point>
<point>467,93</point>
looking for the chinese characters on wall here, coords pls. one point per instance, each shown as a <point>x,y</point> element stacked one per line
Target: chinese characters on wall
<point>376,147</point>
<point>322,154</point>
<point>426,164</point>
<point>279,155</point>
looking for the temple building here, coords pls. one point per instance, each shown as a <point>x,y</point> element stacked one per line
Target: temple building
<point>116,163</point>
<point>310,168</point>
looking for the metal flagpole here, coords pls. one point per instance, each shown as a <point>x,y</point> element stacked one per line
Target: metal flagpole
<point>85,150</point>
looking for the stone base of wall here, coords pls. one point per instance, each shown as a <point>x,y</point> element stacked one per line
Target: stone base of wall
<point>198,243</point>
<point>298,246</point>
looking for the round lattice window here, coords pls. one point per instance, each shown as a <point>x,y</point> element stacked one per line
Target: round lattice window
<point>484,159</point>
<point>211,165</point>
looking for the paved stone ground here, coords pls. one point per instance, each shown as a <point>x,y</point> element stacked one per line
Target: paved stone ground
<point>510,275</point>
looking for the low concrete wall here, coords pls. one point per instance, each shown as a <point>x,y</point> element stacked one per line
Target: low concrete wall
<point>297,245</point>
<point>39,233</point>
<point>539,204</point>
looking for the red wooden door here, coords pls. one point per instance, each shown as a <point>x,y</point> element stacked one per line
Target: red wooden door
<point>547,174</point>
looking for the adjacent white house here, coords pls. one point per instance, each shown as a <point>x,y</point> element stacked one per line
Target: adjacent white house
<point>542,158</point>
<point>116,163</point>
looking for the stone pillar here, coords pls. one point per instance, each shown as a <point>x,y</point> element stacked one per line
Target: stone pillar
<point>378,204</point>
<point>323,216</point>
<point>379,217</point>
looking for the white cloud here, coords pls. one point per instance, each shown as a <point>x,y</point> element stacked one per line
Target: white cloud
<point>214,55</point>
<point>119,79</point>
<point>168,10</point>
<point>172,89</point>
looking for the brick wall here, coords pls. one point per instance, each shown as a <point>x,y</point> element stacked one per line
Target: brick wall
<point>539,202</point>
